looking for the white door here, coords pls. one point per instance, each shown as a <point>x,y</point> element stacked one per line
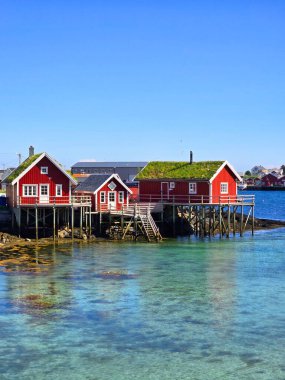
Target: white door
<point>44,193</point>
<point>164,191</point>
<point>112,200</point>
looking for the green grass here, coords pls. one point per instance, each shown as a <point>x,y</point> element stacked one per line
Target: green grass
<point>180,170</point>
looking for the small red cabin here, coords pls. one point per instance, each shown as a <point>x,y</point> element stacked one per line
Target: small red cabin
<point>281,181</point>
<point>191,182</point>
<point>39,180</point>
<point>269,180</point>
<point>107,191</point>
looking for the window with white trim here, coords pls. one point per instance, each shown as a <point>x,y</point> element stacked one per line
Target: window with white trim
<point>224,187</point>
<point>58,190</point>
<point>172,185</point>
<point>192,188</point>
<point>44,189</point>
<point>29,190</point>
<point>103,197</point>
<point>44,170</point>
<point>121,196</point>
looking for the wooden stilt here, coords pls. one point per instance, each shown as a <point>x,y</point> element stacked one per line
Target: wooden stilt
<point>72,222</point>
<point>80,220</point>
<point>37,223</point>
<point>90,222</point>
<point>229,221</point>
<point>252,225</point>
<point>20,221</point>
<point>241,221</point>
<point>220,221</point>
<point>173,220</point>
<point>54,223</point>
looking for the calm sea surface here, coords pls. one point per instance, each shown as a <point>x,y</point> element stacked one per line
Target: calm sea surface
<point>181,309</point>
<point>269,204</point>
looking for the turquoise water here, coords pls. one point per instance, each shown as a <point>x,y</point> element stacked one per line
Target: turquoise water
<point>181,309</point>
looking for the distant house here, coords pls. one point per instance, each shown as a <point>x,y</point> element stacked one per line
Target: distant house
<point>208,181</point>
<point>107,191</point>
<point>281,181</point>
<point>39,180</point>
<point>126,170</point>
<point>251,181</point>
<point>3,175</point>
<point>269,180</point>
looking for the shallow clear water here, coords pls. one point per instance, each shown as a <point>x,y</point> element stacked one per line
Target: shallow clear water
<point>181,309</point>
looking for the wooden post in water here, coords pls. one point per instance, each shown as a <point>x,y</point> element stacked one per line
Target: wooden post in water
<point>90,221</point>
<point>72,222</point>
<point>37,223</point>
<point>80,220</point>
<point>220,220</point>
<point>252,225</point>
<point>241,221</point>
<point>173,220</point>
<point>229,220</point>
<point>53,223</point>
<point>234,220</point>
<point>19,221</point>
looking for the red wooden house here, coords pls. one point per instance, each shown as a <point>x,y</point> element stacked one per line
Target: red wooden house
<point>191,182</point>
<point>107,191</point>
<point>269,180</point>
<point>281,181</point>
<point>39,180</point>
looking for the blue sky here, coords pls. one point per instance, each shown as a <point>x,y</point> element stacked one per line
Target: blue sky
<point>143,80</point>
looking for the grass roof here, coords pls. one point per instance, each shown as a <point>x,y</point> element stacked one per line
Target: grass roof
<point>179,170</point>
<point>22,167</point>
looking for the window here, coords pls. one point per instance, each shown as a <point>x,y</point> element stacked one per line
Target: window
<point>112,196</point>
<point>102,197</point>
<point>44,189</point>
<point>224,188</point>
<point>121,197</point>
<point>58,190</point>
<point>192,188</point>
<point>112,186</point>
<point>172,185</point>
<point>29,190</point>
<point>44,170</point>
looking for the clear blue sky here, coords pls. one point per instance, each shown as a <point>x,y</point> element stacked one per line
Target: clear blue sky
<point>143,80</point>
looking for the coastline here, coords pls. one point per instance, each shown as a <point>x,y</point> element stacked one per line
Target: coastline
<point>15,243</point>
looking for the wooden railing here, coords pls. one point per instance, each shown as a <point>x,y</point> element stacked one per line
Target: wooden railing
<point>194,199</point>
<point>74,200</point>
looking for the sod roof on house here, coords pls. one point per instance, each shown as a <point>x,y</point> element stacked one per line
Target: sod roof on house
<point>179,170</point>
<point>23,166</point>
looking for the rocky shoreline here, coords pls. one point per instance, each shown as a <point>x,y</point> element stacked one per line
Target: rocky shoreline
<point>8,241</point>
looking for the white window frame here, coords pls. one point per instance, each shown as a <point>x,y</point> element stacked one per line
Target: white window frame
<point>58,187</point>
<point>192,188</point>
<point>171,185</point>
<point>44,169</point>
<point>47,188</point>
<point>121,197</point>
<point>224,188</point>
<point>111,193</point>
<point>33,193</point>
<point>103,196</point>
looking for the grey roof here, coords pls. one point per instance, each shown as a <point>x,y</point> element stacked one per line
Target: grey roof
<point>92,183</point>
<point>95,164</point>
